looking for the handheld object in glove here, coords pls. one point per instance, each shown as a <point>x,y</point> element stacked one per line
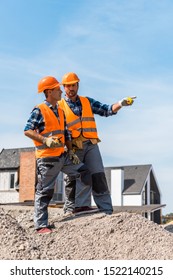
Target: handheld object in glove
<point>127,101</point>
<point>73,157</point>
<point>52,142</point>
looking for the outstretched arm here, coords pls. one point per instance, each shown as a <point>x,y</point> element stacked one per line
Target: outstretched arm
<point>127,101</point>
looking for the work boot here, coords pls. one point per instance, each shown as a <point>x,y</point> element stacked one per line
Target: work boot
<point>68,214</point>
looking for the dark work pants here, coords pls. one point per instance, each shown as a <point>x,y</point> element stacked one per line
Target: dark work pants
<point>47,172</point>
<point>78,193</point>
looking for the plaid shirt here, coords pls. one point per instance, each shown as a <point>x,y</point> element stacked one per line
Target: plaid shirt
<point>98,108</point>
<point>36,121</point>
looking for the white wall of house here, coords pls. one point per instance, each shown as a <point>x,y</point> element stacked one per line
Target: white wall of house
<point>4,180</point>
<point>8,180</point>
<point>9,196</point>
<point>132,200</point>
<point>117,185</point>
<point>8,192</point>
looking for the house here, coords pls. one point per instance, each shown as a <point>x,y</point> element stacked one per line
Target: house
<point>10,174</point>
<point>18,176</point>
<point>133,188</point>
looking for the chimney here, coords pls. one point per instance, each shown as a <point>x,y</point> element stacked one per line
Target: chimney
<point>117,186</point>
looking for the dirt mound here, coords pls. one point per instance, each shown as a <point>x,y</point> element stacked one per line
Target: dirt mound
<point>15,242</point>
<point>88,237</point>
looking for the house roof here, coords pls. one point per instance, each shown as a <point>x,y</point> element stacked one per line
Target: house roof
<point>134,177</point>
<point>139,209</point>
<point>10,158</point>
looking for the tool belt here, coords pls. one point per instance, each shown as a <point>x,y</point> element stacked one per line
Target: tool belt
<point>78,142</point>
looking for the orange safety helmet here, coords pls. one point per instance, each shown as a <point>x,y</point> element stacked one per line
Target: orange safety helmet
<point>47,83</point>
<point>70,78</point>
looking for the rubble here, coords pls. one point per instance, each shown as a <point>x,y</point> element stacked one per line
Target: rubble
<point>122,236</point>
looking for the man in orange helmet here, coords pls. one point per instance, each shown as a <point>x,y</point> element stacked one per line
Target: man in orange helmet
<point>79,112</point>
<point>47,128</point>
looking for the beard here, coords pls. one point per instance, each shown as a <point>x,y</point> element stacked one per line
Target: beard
<point>71,93</point>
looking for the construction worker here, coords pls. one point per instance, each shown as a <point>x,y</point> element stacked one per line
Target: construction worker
<point>79,112</point>
<point>46,126</point>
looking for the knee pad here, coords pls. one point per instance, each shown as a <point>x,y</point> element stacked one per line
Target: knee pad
<point>99,182</point>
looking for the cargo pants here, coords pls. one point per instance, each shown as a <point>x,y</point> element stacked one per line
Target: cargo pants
<point>47,172</point>
<point>78,193</point>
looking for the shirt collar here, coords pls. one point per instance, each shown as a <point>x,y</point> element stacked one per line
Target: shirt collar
<point>50,105</point>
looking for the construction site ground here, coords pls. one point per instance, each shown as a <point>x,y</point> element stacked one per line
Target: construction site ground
<point>120,236</point>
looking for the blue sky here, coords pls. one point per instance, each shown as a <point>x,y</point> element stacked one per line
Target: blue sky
<point>118,48</point>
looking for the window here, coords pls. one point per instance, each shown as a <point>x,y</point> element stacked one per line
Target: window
<point>152,197</point>
<point>12,178</point>
<point>144,195</point>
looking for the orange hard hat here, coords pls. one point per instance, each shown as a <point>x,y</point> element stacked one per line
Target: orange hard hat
<point>47,83</point>
<point>70,78</point>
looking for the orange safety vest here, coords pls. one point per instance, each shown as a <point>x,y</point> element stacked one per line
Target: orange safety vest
<point>85,124</point>
<point>53,127</point>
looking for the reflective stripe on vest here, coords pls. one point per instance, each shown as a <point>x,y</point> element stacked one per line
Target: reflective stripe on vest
<point>53,127</point>
<point>84,125</point>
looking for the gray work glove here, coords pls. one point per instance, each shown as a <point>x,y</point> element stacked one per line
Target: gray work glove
<point>127,101</point>
<point>52,142</point>
<point>73,157</point>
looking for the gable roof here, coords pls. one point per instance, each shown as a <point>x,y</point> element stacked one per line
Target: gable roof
<point>134,177</point>
<point>10,158</point>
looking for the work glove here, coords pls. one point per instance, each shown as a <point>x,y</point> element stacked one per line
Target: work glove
<point>73,157</point>
<point>52,142</point>
<point>127,101</point>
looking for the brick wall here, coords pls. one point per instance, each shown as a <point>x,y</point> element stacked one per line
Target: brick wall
<point>27,176</point>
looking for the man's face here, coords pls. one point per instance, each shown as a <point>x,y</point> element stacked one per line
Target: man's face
<point>56,93</point>
<point>71,90</point>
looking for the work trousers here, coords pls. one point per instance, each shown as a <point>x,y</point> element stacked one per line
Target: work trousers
<point>78,193</point>
<point>47,172</point>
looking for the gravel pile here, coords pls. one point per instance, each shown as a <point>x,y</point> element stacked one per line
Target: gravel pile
<point>123,236</point>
